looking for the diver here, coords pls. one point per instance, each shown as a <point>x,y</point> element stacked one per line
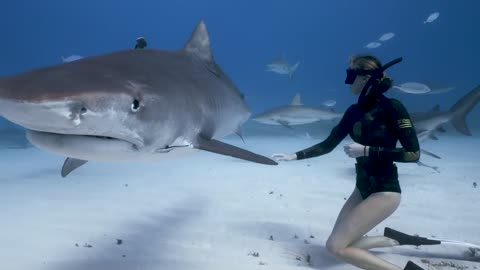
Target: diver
<point>375,123</point>
<point>141,43</point>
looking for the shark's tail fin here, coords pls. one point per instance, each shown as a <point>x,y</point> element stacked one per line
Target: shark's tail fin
<point>462,108</point>
<point>293,69</point>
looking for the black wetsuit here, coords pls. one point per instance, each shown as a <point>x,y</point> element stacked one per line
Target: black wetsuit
<point>380,125</point>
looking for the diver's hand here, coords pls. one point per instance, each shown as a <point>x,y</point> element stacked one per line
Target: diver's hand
<point>284,156</point>
<point>355,150</point>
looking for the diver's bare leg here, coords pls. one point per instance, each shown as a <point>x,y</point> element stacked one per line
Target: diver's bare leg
<point>366,242</point>
<point>354,199</point>
<point>369,242</point>
<point>361,219</point>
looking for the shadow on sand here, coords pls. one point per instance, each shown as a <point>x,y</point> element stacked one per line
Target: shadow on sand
<point>147,244</point>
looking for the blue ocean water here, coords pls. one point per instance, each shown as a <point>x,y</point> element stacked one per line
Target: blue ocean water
<point>180,213</point>
<point>246,35</point>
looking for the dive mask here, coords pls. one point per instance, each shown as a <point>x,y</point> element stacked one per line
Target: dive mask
<point>353,73</point>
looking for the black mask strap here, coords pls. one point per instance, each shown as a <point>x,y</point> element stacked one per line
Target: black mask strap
<point>373,81</point>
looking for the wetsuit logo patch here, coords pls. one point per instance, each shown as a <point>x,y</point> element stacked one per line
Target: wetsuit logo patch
<point>404,123</point>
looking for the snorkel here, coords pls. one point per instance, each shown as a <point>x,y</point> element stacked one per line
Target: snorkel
<point>370,89</point>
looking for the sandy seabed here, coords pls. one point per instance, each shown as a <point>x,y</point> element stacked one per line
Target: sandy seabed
<point>207,211</point>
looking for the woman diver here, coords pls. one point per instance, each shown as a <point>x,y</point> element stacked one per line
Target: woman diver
<point>375,123</point>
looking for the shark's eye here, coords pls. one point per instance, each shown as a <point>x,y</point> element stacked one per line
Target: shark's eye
<point>135,105</point>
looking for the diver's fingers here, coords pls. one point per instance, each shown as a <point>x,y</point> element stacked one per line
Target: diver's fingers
<point>282,157</point>
<point>278,156</point>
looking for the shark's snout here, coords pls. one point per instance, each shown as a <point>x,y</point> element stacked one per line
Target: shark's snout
<point>53,116</point>
<point>68,118</point>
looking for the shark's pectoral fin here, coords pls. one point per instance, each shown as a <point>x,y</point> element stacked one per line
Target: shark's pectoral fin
<point>440,129</point>
<point>239,134</point>
<point>222,148</point>
<point>430,154</point>
<point>71,164</point>
<point>284,123</point>
<point>435,168</point>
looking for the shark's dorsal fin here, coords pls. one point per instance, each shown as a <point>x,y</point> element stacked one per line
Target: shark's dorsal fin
<point>199,47</point>
<point>199,43</point>
<point>296,101</point>
<point>71,164</point>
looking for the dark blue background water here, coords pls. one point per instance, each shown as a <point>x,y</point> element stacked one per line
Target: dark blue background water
<point>246,35</point>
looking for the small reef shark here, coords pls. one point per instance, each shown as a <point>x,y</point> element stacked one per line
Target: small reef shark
<point>281,66</point>
<point>295,114</point>
<point>129,105</point>
<point>427,123</point>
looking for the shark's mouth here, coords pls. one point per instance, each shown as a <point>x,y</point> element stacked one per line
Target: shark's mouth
<point>71,144</point>
<point>102,137</point>
<point>100,147</point>
<point>99,137</point>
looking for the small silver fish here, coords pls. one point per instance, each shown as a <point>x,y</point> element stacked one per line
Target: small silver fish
<point>71,58</point>
<point>432,17</point>
<point>386,36</point>
<point>373,45</point>
<point>329,103</point>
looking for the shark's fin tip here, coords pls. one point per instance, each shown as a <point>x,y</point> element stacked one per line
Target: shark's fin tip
<point>222,148</point>
<point>70,165</point>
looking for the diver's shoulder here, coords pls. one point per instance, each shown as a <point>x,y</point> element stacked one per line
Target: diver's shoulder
<point>353,108</point>
<point>396,103</point>
<point>353,111</point>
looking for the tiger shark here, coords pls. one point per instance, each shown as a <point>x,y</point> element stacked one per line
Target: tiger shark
<point>129,105</point>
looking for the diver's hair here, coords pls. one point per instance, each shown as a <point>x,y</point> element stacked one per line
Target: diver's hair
<point>369,62</point>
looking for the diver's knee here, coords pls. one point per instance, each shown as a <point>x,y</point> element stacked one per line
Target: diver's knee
<point>334,247</point>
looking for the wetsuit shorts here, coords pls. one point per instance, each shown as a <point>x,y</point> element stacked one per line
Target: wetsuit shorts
<point>372,179</point>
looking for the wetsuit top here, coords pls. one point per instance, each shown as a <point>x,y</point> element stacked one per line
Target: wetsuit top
<point>379,126</point>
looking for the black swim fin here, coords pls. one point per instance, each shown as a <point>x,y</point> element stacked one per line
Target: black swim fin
<point>412,266</point>
<point>405,239</point>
